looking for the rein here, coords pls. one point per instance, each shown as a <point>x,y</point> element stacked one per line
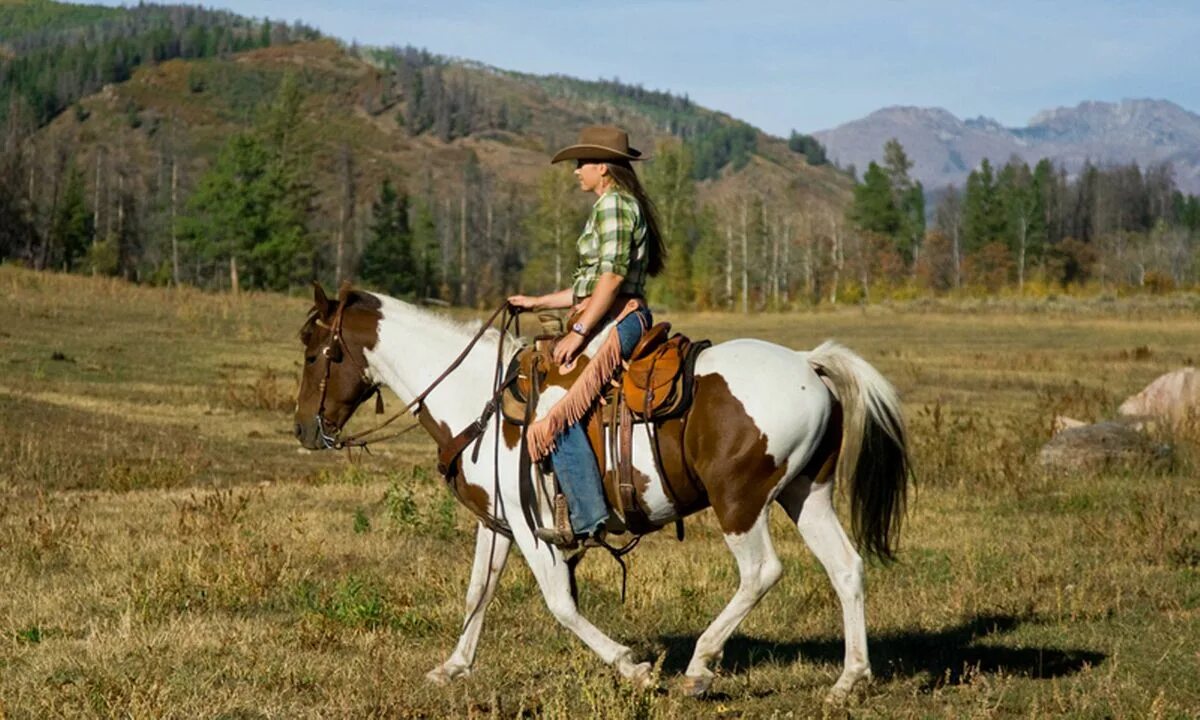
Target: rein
<point>337,348</point>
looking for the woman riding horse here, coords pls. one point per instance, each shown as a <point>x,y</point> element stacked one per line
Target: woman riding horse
<point>619,248</point>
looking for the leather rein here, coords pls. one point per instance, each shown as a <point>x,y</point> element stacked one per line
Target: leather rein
<point>337,349</point>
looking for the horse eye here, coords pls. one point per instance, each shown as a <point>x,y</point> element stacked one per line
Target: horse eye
<point>310,359</point>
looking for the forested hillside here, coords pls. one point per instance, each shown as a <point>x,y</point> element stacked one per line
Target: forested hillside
<point>173,144</point>
<point>1042,230</point>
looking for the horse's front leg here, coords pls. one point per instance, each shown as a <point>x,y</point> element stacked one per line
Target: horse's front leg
<point>549,567</point>
<point>491,552</point>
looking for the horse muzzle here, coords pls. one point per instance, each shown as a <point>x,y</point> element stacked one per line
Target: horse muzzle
<point>316,434</point>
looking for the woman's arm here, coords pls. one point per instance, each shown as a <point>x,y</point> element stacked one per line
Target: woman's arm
<point>601,300</point>
<point>553,301</point>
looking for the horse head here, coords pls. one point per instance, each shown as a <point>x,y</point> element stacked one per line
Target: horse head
<point>336,377</point>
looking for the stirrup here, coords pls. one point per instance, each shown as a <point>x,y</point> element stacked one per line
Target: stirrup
<point>556,536</point>
<point>561,534</point>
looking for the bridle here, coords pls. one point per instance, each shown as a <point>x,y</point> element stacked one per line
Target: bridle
<point>337,349</point>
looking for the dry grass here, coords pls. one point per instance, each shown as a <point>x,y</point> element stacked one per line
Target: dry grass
<point>167,551</point>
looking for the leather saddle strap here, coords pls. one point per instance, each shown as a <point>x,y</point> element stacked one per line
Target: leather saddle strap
<point>625,459</point>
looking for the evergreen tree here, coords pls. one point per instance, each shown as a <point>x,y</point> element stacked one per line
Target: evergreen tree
<point>909,198</point>
<point>287,254</point>
<point>71,229</point>
<point>227,215</point>
<point>808,146</point>
<point>426,250</point>
<point>983,213</point>
<point>388,261</point>
<point>874,206</point>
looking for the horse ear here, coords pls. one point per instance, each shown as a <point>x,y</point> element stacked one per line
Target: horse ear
<point>344,292</point>
<point>320,301</point>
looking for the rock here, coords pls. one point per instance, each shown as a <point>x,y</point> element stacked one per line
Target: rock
<point>1062,422</point>
<point>1103,445</point>
<point>1173,398</point>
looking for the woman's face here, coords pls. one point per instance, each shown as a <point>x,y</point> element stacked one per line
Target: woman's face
<point>592,174</point>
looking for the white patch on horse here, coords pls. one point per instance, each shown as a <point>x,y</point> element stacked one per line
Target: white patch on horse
<point>780,393</point>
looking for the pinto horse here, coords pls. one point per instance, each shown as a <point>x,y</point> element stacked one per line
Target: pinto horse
<point>767,424</point>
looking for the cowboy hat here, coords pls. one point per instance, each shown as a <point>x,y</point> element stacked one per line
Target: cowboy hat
<point>599,142</point>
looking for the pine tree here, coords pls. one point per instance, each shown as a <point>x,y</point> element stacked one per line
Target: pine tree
<point>71,228</point>
<point>227,215</point>
<point>909,198</point>
<point>388,262</point>
<point>983,213</point>
<point>874,206</point>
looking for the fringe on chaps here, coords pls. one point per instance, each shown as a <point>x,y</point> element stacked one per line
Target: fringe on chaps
<point>543,434</point>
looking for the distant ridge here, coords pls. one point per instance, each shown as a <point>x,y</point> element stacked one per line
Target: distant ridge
<point>944,149</point>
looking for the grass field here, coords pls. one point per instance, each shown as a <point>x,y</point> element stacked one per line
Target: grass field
<point>166,549</point>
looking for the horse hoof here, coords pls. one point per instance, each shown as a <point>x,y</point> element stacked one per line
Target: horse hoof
<point>443,675</point>
<point>840,692</point>
<point>641,675</point>
<point>695,687</point>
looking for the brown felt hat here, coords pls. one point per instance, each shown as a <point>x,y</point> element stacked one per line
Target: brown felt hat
<point>599,142</point>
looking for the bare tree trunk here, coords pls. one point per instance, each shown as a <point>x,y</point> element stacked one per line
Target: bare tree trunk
<point>838,255</point>
<point>1024,228</point>
<point>346,210</point>
<point>809,240</point>
<point>787,245</point>
<point>120,204</point>
<point>234,286</point>
<point>487,243</point>
<point>96,202</point>
<point>558,233</point>
<point>916,245</point>
<point>745,262</point>
<point>174,223</point>
<point>955,254</point>
<point>729,264</point>
<point>864,265</point>
<point>774,281</point>
<point>462,250</point>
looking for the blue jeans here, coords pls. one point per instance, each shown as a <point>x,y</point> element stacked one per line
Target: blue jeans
<point>573,459</point>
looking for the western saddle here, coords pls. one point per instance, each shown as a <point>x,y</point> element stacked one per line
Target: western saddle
<point>655,384</point>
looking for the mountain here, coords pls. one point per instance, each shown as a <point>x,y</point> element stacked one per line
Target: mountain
<point>418,118</point>
<point>944,149</point>
<point>134,129</point>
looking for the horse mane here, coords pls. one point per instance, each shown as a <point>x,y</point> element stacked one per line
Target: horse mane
<point>353,298</point>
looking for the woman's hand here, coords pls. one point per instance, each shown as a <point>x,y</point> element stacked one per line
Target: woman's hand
<point>523,302</point>
<point>567,347</point>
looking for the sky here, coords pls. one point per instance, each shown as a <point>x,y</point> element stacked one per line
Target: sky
<point>806,65</point>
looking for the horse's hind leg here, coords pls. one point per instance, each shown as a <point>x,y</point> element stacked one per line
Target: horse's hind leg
<point>491,552</point>
<point>811,508</point>
<point>759,568</point>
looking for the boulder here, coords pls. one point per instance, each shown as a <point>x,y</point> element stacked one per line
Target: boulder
<point>1173,398</point>
<point>1114,443</point>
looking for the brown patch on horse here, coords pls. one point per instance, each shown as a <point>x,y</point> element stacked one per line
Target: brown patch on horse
<point>680,485</point>
<point>512,435</point>
<point>729,455</point>
<point>473,497</point>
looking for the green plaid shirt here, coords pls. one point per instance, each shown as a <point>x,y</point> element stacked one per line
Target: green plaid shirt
<point>614,240</point>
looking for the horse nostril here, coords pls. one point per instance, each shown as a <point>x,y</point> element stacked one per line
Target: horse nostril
<point>299,429</point>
